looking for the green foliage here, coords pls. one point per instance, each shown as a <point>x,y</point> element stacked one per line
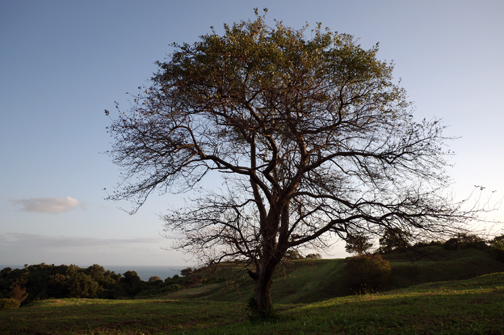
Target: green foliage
<point>131,283</point>
<point>9,303</point>
<point>154,279</point>
<point>186,272</point>
<point>80,285</point>
<point>36,282</point>
<point>367,273</point>
<point>358,244</point>
<point>18,293</point>
<point>463,240</point>
<point>394,239</point>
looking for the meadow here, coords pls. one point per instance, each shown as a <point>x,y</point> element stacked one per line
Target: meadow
<point>469,303</point>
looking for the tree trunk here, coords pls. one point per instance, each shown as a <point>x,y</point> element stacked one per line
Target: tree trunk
<point>262,289</point>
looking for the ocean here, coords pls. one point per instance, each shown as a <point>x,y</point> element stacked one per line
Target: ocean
<point>143,271</point>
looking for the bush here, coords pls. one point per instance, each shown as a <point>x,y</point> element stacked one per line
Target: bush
<point>18,293</point>
<point>464,241</point>
<point>8,303</point>
<point>154,279</point>
<point>497,245</point>
<point>367,273</point>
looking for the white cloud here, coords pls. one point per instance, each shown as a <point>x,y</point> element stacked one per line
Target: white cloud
<point>48,205</point>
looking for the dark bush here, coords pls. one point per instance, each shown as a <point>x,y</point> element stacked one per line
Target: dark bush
<point>18,293</point>
<point>367,273</point>
<point>8,303</point>
<point>154,279</point>
<point>463,241</point>
<point>497,245</point>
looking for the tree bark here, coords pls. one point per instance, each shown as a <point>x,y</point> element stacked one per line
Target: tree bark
<point>262,288</point>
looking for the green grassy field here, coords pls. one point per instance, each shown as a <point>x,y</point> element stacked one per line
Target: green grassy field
<point>310,296</point>
<point>471,306</point>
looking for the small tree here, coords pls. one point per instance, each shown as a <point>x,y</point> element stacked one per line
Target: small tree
<point>19,293</point>
<point>465,240</point>
<point>155,279</point>
<point>186,272</point>
<point>358,244</point>
<point>368,273</point>
<point>394,239</point>
<point>309,132</point>
<point>8,303</point>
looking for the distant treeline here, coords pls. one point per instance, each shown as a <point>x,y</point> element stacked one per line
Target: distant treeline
<point>42,281</point>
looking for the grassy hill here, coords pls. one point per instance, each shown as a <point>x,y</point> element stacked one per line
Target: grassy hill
<point>471,306</point>
<point>432,291</point>
<point>306,281</point>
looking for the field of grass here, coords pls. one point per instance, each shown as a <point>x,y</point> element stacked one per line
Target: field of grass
<point>311,296</point>
<point>471,306</point>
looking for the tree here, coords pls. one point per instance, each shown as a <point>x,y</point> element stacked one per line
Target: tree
<point>155,279</point>
<point>394,239</point>
<point>367,272</point>
<point>310,135</point>
<point>358,244</point>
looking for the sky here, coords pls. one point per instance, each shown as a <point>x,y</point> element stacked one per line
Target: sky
<point>62,63</point>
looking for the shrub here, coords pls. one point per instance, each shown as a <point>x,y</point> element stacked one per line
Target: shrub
<point>463,241</point>
<point>497,245</point>
<point>394,239</point>
<point>18,293</point>
<point>367,273</point>
<point>358,244</point>
<point>8,303</point>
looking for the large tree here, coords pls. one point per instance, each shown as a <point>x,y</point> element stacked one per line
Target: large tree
<point>310,134</point>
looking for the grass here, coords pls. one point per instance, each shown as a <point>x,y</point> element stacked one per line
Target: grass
<point>471,306</point>
<point>311,298</point>
<point>307,281</point>
<point>89,316</point>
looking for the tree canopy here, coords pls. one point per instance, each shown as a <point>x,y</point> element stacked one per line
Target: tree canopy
<point>310,134</point>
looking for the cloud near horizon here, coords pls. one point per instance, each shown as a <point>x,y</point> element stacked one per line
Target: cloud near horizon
<point>35,249</point>
<point>48,205</point>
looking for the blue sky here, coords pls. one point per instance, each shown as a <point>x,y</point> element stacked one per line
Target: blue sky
<point>63,62</point>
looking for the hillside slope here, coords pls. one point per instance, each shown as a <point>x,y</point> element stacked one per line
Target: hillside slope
<point>306,281</point>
